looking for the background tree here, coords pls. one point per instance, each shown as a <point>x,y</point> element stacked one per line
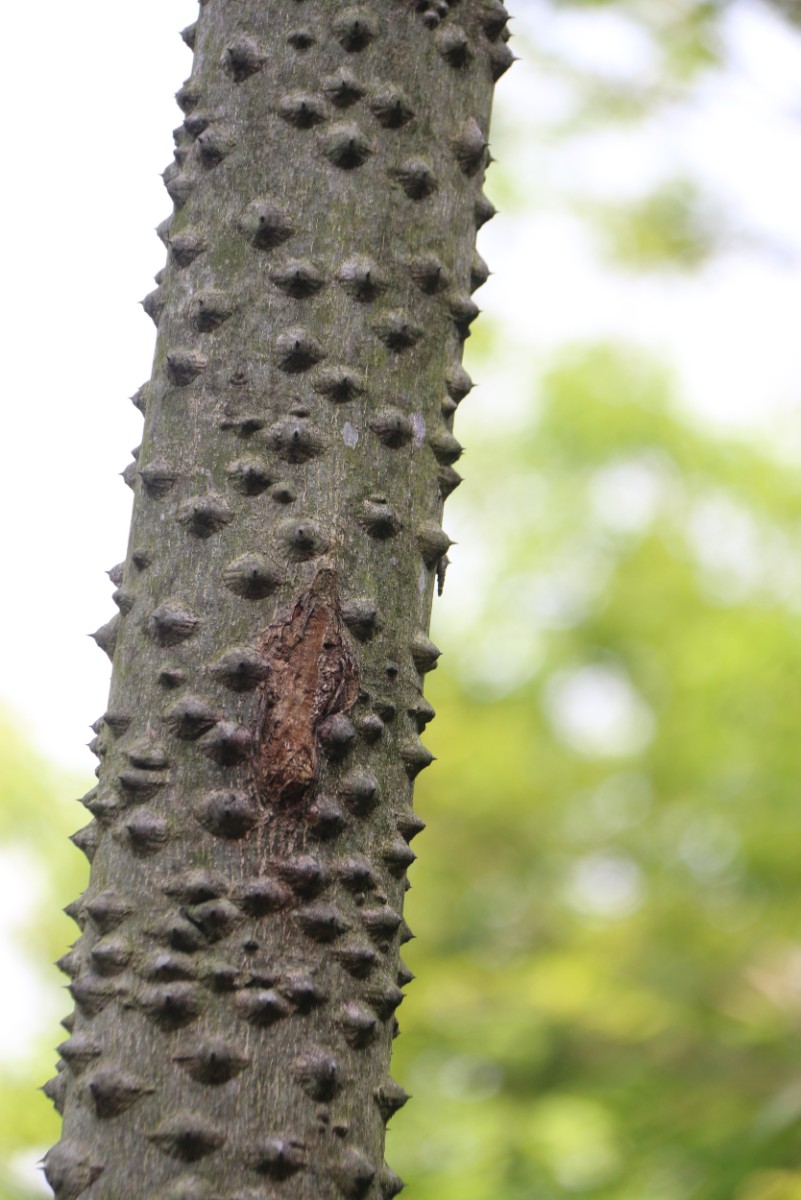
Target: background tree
<point>238,973</point>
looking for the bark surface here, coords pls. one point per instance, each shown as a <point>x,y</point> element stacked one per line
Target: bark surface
<point>238,971</point>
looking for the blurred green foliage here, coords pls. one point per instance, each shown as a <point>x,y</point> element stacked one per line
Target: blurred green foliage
<point>39,874</point>
<point>609,991</point>
<point>673,226</point>
<point>609,968</point>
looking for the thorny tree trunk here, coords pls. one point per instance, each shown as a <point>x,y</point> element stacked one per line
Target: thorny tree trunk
<point>238,972</point>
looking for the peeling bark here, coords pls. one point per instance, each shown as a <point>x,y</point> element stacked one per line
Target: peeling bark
<point>311,679</point>
<point>238,970</point>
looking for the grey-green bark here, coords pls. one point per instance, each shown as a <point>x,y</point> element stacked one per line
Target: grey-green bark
<point>238,971</point>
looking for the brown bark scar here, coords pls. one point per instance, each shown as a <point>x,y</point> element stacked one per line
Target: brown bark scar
<point>312,674</point>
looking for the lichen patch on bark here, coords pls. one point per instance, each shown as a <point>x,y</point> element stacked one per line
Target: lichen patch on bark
<point>312,675</point>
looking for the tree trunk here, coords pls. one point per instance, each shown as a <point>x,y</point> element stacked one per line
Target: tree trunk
<point>238,972</point>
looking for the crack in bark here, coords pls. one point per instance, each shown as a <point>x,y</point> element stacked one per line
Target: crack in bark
<point>312,675</point>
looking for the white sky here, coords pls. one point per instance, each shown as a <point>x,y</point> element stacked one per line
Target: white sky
<point>92,86</point>
<point>87,94</point>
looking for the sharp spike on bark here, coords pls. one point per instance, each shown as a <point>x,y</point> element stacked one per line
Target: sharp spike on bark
<point>253,576</point>
<point>171,1005</point>
<point>339,384</point>
<point>214,918</point>
<point>262,1006</point>
<point>227,814</point>
<point>86,839</point>
<point>106,636</point>
<point>92,993</point>
<point>306,875</point>
<point>265,224</point>
<point>211,1060</point>
<point>378,518</point>
<point>303,110</point>
<point>145,832</point>
<point>433,542</point>
<point>417,178</point>
<point>108,909</point>
<point>187,96</point>
<point>354,28</point>
<point>55,1089</point>
<point>454,46</point>
<point>327,819</point>
<point>354,1173</point>
<point>196,885</point>
<point>416,757</point>
<point>322,922</point>
<point>484,211</point>
<point>493,18</point>
<point>79,1051</point>
<point>209,310</point>
<point>75,911</point>
<point>302,991</point>
<point>463,311</point>
<point>301,39</point>
<point>343,89</point>
<point>371,728</point>
<point>319,1074</point>
<point>227,743</point>
<point>391,1184</point>
<point>384,999</point>
<point>153,304</point>
<point>501,59</point>
<point>448,481</point>
<point>301,538</point>
<point>361,617</point>
<point>111,1091</point>
<point>391,107</point>
<point>360,791</point>
<point>260,896</point>
<point>277,1158</point>
<point>187,1137</point>
<point>390,1098</point>
<point>381,924</point>
<point>240,669</point>
<point>185,247</point>
<point>424,653</point>
<point>203,516</point>
<point>429,273</point>
<point>470,147</point>
<point>405,976</point>
<point>296,350</point>
<point>184,365</point>
<point>421,712</point>
<point>243,58</point>
<point>358,960</point>
<point>356,873</point>
<point>69,964</point>
<point>398,856</point>
<point>214,145</point>
<point>359,1026</point>
<point>70,1169</point>
<point>190,717</point>
<point>110,956</point>
<point>298,277</point>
